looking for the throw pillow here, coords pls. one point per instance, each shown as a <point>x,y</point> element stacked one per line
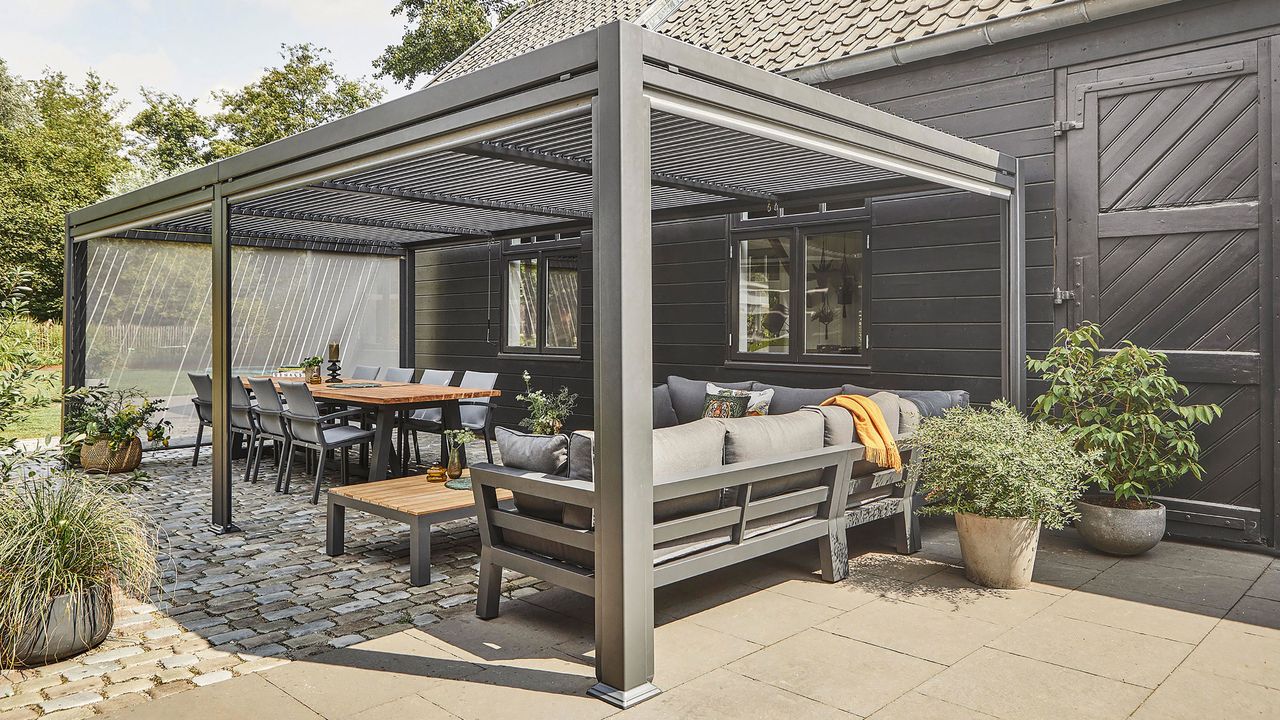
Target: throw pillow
<point>757,400</point>
<point>724,405</point>
<point>546,454</point>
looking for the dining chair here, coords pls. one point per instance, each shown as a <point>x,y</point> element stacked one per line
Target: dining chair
<point>322,433</point>
<point>271,424</point>
<point>203,402</point>
<point>430,416</point>
<point>476,414</point>
<point>365,372</point>
<point>395,374</point>
<point>243,420</point>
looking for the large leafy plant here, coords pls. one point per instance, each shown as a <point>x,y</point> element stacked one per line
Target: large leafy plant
<point>118,417</point>
<point>997,463</point>
<point>1124,405</point>
<point>547,412</point>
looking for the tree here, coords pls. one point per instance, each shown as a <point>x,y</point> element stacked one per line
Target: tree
<point>436,32</point>
<point>169,134</point>
<point>305,92</point>
<point>59,150</point>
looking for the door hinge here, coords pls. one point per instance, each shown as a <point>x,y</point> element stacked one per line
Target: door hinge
<point>1062,126</point>
<point>1061,296</point>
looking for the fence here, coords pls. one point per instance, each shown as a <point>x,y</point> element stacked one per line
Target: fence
<point>45,338</point>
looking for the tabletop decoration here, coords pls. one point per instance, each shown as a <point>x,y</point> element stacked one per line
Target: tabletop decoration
<point>311,366</point>
<point>335,368</point>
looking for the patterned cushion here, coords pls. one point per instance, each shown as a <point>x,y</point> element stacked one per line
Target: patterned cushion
<point>726,405</point>
<point>687,396</point>
<point>757,400</point>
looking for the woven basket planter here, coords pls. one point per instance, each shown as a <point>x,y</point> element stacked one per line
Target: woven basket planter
<point>99,457</point>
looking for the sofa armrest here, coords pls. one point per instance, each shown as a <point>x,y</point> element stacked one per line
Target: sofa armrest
<point>550,487</point>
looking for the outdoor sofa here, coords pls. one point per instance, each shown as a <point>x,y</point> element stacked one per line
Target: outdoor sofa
<point>725,490</point>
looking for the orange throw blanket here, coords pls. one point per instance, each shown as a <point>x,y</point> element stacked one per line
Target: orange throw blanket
<point>872,431</point>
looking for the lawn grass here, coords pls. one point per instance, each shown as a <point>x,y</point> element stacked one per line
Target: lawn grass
<point>44,422</point>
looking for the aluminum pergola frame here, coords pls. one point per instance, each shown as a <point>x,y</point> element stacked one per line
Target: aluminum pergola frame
<point>642,116</point>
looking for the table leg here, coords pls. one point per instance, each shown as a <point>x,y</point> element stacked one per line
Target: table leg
<point>335,540</point>
<point>451,418</point>
<point>420,552</point>
<point>383,452</point>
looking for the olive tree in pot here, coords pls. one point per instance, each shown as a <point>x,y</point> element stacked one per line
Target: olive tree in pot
<point>1003,477</point>
<point>66,542</point>
<point>1124,405</point>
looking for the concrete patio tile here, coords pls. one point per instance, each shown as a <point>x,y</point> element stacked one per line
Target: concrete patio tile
<point>837,671</point>
<point>935,635</point>
<point>907,568</point>
<point>689,597</point>
<point>540,687</point>
<point>1066,547</point>
<point>1059,578</point>
<point>1230,652</point>
<point>1191,694</point>
<point>950,591</point>
<point>412,706</point>
<point>1019,688</point>
<point>1159,617</point>
<point>566,602</point>
<point>725,695</point>
<point>915,706</point>
<point>1255,615</point>
<point>521,630</point>
<point>243,698</point>
<point>1240,564</point>
<point>341,683</point>
<point>1097,649</point>
<point>745,617</point>
<point>684,650</point>
<point>1162,581</point>
<point>1267,585</point>
<point>854,591</point>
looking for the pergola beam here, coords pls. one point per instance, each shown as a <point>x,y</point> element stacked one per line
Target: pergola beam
<point>452,200</point>
<point>363,222</point>
<point>201,234</point>
<point>496,151</point>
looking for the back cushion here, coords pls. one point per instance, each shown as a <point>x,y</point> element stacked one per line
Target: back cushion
<point>757,438</point>
<point>545,454</point>
<point>888,404</point>
<point>837,426</point>
<point>789,399</point>
<point>688,396</point>
<point>664,415</point>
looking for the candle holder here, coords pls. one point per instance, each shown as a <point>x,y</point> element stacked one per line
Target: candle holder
<point>334,369</point>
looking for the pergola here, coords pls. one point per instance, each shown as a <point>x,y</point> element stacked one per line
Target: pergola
<point>619,125</point>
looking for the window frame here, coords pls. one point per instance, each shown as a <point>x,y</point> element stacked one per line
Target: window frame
<point>541,251</point>
<point>796,232</point>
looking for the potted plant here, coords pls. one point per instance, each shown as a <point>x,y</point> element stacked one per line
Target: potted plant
<point>458,441</point>
<point>311,369</point>
<point>547,413</point>
<point>1124,405</point>
<point>66,542</point>
<point>112,424</point>
<point>1003,477</point>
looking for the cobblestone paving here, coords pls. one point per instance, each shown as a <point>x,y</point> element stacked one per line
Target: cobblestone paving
<point>242,603</point>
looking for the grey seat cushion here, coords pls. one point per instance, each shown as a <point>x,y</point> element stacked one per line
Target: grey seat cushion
<point>756,438</point>
<point>538,453</point>
<point>790,399</point>
<point>664,413</point>
<point>688,396</point>
<point>339,434</point>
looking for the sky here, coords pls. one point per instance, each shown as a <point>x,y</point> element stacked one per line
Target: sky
<point>189,47</point>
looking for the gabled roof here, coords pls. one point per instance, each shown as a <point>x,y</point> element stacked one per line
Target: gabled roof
<point>782,35</point>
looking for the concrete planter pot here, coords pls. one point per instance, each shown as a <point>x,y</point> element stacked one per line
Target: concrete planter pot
<point>998,552</point>
<point>73,624</point>
<point>1120,531</point>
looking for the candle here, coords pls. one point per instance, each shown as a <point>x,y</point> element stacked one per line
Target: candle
<point>333,352</point>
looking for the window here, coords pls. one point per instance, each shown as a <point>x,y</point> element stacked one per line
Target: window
<point>540,308</point>
<point>800,294</point>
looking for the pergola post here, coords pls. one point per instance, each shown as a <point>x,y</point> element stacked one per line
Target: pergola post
<point>74,288</point>
<point>1013,293</point>
<point>622,326</point>
<point>220,237</point>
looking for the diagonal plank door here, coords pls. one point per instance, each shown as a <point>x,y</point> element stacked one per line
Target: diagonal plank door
<point>1163,177</point>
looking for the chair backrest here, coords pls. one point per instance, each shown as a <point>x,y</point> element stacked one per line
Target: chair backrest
<point>476,411</point>
<point>396,374</point>
<point>365,372</point>
<point>304,414</point>
<point>436,377</point>
<point>241,405</point>
<point>270,408</point>
<point>203,401</point>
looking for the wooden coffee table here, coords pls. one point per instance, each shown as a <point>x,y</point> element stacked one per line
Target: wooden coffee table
<point>411,500</point>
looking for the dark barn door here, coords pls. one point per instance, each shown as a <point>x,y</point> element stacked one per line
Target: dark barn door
<point>1162,178</point>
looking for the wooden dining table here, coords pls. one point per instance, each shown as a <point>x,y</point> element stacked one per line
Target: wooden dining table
<point>388,398</point>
